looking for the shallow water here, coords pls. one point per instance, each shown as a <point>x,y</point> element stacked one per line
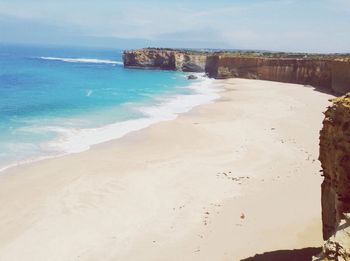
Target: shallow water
<point>62,100</point>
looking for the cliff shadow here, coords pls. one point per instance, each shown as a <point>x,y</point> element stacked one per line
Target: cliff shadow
<point>321,89</point>
<point>304,254</point>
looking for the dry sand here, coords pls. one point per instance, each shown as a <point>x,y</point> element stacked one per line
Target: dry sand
<point>179,190</point>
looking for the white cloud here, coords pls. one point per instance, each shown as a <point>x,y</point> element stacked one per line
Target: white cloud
<point>270,24</point>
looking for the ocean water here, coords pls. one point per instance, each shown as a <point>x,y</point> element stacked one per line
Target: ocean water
<point>55,101</point>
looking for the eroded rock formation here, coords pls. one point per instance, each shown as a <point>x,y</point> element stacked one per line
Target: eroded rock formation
<point>341,76</point>
<point>325,71</point>
<point>313,72</point>
<point>335,161</point>
<point>162,59</point>
<point>166,59</point>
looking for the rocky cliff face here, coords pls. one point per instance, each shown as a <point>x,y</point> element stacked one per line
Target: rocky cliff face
<point>325,71</point>
<point>190,62</point>
<point>302,71</point>
<point>150,59</point>
<point>335,160</point>
<point>165,59</point>
<point>341,76</point>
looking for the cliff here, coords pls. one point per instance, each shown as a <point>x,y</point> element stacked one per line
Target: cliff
<point>341,76</point>
<point>150,59</point>
<point>190,62</point>
<point>165,59</point>
<point>313,72</point>
<point>335,195</point>
<point>328,72</point>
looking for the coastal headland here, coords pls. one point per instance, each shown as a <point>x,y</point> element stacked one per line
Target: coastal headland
<point>328,72</point>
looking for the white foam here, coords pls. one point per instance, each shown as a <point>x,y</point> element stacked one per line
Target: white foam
<point>88,93</point>
<point>28,161</point>
<point>81,60</point>
<point>74,140</point>
<point>77,140</point>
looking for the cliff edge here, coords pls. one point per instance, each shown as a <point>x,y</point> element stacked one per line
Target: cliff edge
<point>165,59</point>
<point>308,71</point>
<point>335,161</point>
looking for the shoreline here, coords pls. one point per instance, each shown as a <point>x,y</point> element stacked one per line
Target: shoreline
<point>178,189</point>
<point>89,137</point>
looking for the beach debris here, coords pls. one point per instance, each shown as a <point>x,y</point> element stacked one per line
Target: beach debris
<point>239,179</point>
<point>205,222</point>
<point>242,216</point>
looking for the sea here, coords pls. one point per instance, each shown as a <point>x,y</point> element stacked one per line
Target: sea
<point>60,100</point>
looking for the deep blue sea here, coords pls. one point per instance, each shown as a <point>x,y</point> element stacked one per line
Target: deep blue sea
<point>55,101</point>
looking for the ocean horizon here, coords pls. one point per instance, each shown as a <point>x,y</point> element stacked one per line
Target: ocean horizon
<point>60,100</point>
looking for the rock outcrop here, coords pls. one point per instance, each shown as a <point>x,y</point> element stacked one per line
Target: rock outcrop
<point>335,161</point>
<point>190,61</point>
<point>192,77</point>
<point>162,59</point>
<point>328,72</point>
<point>166,59</point>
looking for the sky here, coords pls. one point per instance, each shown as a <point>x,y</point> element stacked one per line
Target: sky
<point>276,25</point>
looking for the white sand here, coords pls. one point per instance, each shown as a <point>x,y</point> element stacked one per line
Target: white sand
<point>161,193</point>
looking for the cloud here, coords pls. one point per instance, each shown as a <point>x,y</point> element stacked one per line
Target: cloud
<point>248,24</point>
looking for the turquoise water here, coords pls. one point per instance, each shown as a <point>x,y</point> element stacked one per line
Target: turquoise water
<point>63,100</point>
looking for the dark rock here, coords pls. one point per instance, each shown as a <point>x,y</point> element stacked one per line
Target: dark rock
<point>192,77</point>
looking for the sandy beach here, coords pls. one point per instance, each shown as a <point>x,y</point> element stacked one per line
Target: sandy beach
<point>225,181</point>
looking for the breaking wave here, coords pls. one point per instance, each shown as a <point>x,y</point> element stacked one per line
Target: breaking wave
<point>81,60</point>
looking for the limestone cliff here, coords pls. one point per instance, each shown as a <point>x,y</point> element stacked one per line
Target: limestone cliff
<point>329,72</point>
<point>165,59</point>
<point>190,62</point>
<point>162,59</point>
<point>341,76</point>
<point>313,72</point>
<point>326,71</point>
<point>335,161</point>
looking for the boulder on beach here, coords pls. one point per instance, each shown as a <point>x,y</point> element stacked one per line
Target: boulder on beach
<point>192,77</point>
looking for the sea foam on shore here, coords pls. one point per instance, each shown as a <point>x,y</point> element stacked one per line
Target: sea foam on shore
<point>168,108</point>
<point>164,108</point>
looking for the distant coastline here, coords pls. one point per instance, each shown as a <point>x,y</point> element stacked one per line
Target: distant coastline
<point>329,72</point>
